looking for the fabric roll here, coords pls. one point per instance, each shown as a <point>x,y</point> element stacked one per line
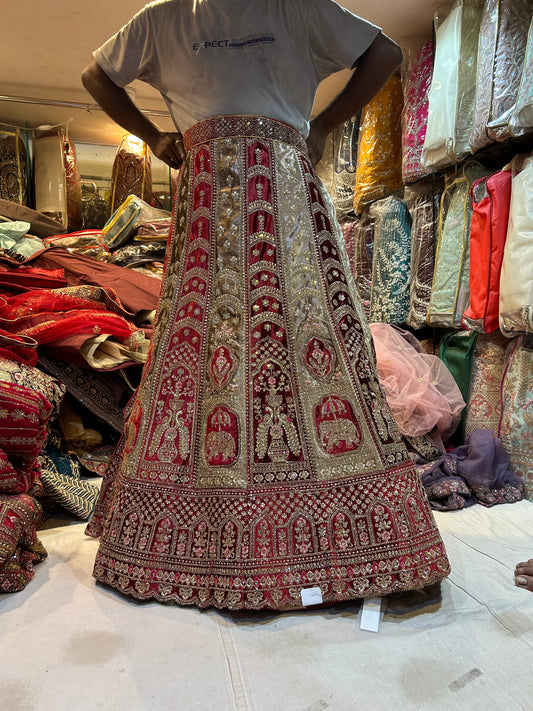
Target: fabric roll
<point>484,403</point>
<point>491,199</point>
<point>516,280</point>
<point>472,12</point>
<point>522,116</point>
<point>450,289</point>
<point>423,205</point>
<point>50,178</point>
<point>379,159</point>
<point>501,53</point>
<point>456,350</point>
<point>391,265</point>
<point>73,186</point>
<point>416,85</point>
<point>13,166</point>
<point>442,109</point>
<point>513,24</point>
<point>516,426</point>
<point>362,231</point>
<point>131,173</point>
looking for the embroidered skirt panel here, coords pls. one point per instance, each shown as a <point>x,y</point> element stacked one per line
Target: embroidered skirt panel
<point>259,456</point>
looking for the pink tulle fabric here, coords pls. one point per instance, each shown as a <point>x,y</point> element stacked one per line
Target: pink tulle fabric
<point>420,390</point>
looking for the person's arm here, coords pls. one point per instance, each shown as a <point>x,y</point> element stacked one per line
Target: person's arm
<point>372,70</point>
<point>167,146</point>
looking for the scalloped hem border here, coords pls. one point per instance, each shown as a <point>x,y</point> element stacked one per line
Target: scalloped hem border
<point>288,599</point>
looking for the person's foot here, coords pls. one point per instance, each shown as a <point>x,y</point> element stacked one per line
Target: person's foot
<point>524,575</point>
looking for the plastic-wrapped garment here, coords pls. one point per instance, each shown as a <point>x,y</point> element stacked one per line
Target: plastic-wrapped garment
<point>125,220</point>
<point>379,158</point>
<point>522,117</point>
<point>491,197</point>
<point>423,204</point>
<point>501,52</point>
<point>437,149</point>
<point>484,404</point>
<point>88,242</point>
<point>391,265</point>
<point>467,68</point>
<point>420,390</point>
<point>513,24</point>
<point>416,86</point>
<point>50,177</point>
<point>516,280</point>
<point>449,291</point>
<point>456,350</point>
<point>132,172</point>
<point>338,164</point>
<point>73,184</point>
<point>13,166</point>
<point>362,239</point>
<point>95,209</point>
<point>516,426</point>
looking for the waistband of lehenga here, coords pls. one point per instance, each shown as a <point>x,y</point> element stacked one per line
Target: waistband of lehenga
<point>242,127</point>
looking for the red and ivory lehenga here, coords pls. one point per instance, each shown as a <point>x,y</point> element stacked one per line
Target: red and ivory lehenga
<point>259,456</point>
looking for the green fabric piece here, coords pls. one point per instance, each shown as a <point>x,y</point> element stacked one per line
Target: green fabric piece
<point>456,350</point>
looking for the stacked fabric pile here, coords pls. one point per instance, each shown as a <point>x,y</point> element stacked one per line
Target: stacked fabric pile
<point>75,328</point>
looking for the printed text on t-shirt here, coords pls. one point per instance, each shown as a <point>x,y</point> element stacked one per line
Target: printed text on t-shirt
<point>240,43</point>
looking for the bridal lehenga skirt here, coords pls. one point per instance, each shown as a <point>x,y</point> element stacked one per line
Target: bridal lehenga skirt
<point>259,457</point>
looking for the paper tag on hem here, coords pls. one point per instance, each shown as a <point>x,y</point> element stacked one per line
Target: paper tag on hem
<point>311,596</point>
<point>370,614</point>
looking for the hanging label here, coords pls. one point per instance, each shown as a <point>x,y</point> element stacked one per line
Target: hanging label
<point>370,614</point>
<point>311,596</point>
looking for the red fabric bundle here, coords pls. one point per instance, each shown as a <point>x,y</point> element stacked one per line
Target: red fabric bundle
<point>24,414</point>
<point>20,548</point>
<point>491,198</point>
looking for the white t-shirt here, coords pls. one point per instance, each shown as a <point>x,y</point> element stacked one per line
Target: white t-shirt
<point>214,57</point>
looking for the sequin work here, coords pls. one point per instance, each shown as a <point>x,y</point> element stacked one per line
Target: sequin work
<point>259,456</point>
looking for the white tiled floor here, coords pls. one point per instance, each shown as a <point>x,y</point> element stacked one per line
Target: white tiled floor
<point>67,643</point>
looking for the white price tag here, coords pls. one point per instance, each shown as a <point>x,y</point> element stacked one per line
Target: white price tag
<point>311,596</point>
<point>370,614</point>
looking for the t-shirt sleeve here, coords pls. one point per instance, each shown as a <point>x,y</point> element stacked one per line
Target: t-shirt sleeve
<point>129,54</point>
<point>337,37</point>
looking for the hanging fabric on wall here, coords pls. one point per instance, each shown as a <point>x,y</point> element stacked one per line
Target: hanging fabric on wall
<point>423,204</point>
<point>501,53</point>
<point>491,198</point>
<point>516,426</point>
<point>13,166</point>
<point>416,87</point>
<point>449,291</point>
<point>516,281</point>
<point>522,116</point>
<point>379,159</point>
<point>132,172</point>
<point>389,297</point>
